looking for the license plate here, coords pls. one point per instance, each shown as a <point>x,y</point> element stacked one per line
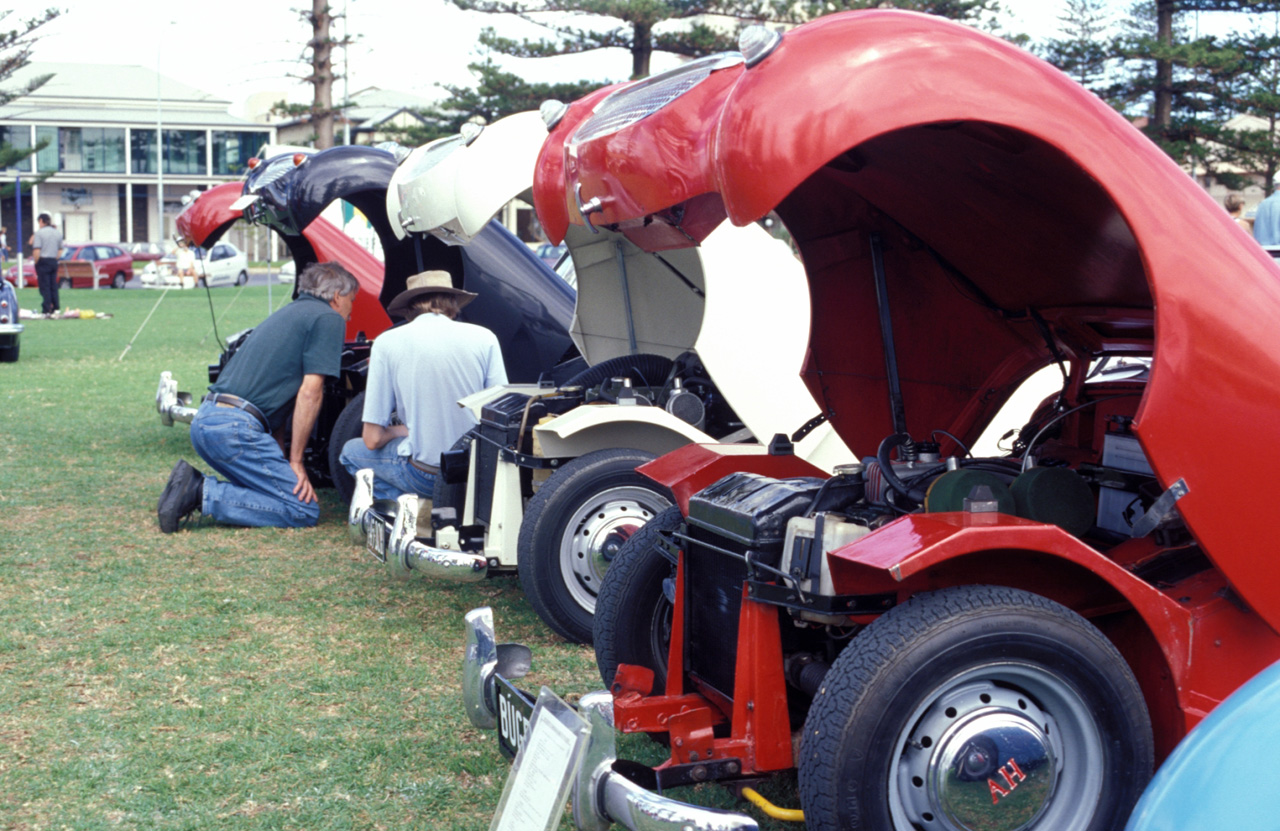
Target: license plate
<point>514,712</point>
<point>375,536</point>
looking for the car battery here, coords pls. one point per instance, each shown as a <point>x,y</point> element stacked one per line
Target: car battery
<point>1121,451</point>
<point>752,510</point>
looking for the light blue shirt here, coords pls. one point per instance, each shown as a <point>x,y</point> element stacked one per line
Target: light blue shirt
<point>1266,226</point>
<point>420,370</point>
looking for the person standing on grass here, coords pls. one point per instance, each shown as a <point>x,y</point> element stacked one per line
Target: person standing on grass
<point>278,371</point>
<point>46,244</point>
<point>419,371</point>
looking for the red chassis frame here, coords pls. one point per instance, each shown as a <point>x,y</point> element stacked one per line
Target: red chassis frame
<point>1189,648</point>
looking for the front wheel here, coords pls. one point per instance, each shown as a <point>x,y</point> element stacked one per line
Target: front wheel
<point>242,278</point>
<point>117,280</point>
<point>976,707</point>
<point>574,526</point>
<point>633,612</point>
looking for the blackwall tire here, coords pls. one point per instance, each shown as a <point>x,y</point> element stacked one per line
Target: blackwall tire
<point>242,278</point>
<point>633,614</point>
<point>912,725</point>
<point>451,496</point>
<point>118,280</point>
<point>9,354</point>
<point>350,425</point>
<point>574,526</point>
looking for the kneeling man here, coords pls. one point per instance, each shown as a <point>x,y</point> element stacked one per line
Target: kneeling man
<point>239,429</point>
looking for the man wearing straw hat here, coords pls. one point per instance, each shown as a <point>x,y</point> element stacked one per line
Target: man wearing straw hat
<point>276,373</point>
<point>418,372</point>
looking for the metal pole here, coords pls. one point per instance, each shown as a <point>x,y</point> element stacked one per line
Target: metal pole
<point>346,73</point>
<point>159,148</point>
<point>17,194</point>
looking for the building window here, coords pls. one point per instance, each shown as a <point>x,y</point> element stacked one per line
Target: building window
<point>17,139</point>
<point>184,151</point>
<point>90,149</point>
<point>232,151</point>
<point>47,158</point>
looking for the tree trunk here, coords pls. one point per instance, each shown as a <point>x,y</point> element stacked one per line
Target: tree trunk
<point>322,74</point>
<point>1164,67</point>
<point>641,50</point>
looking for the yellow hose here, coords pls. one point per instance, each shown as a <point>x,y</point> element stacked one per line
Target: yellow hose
<point>771,810</point>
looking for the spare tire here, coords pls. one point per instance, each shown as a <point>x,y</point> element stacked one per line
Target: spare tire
<point>645,369</point>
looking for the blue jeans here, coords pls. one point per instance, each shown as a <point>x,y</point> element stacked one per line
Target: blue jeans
<point>393,474</point>
<point>260,483</point>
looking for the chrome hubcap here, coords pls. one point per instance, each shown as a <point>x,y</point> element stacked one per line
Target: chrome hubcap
<point>1003,748</point>
<point>595,534</point>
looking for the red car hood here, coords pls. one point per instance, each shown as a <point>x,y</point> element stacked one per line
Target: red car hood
<point>1014,209</point>
<point>208,217</point>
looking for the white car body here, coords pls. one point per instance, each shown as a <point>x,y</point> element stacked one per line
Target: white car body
<point>739,283</point>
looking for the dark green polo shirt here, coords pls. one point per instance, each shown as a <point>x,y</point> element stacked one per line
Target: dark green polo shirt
<point>303,338</point>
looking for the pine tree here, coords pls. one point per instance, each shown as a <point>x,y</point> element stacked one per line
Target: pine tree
<point>691,28</point>
<point>1083,52</point>
<point>497,93</point>
<point>15,53</point>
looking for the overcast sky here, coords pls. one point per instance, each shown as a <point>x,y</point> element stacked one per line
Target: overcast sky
<point>233,48</point>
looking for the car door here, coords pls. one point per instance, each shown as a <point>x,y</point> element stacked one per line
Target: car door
<point>112,260</point>
<point>219,266</point>
<point>87,253</point>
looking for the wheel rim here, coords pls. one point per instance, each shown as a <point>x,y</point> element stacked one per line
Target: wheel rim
<point>1002,747</point>
<point>660,636</point>
<point>596,531</point>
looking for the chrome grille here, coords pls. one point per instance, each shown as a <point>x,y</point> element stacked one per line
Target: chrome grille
<point>644,98</point>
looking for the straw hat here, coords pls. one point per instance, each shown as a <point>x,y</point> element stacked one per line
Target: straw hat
<point>428,282</point>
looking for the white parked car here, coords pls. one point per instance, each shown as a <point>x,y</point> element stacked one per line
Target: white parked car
<point>224,265</point>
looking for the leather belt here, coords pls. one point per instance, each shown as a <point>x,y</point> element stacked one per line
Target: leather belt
<point>431,469</point>
<point>223,399</point>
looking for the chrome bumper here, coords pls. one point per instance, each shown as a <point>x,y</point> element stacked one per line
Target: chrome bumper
<point>391,535</point>
<point>171,404</point>
<point>601,796</point>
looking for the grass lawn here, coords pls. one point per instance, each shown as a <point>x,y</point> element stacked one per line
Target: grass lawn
<point>218,678</point>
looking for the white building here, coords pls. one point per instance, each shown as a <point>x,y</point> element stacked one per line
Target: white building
<point>100,122</point>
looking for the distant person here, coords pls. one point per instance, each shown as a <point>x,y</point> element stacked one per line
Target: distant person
<point>46,245</point>
<point>419,371</point>
<point>1234,203</point>
<point>4,243</point>
<point>239,429</point>
<point>185,262</point>
<point>1266,224</point>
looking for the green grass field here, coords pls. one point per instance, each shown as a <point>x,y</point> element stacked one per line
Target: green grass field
<point>218,678</point>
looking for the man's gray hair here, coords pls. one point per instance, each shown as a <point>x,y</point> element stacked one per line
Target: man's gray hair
<point>326,281</point>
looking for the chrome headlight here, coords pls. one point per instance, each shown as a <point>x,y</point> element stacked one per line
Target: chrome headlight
<point>644,98</point>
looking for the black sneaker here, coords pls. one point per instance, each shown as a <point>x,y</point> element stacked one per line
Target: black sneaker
<point>182,495</point>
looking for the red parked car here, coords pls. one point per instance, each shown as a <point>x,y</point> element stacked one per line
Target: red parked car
<point>934,640</point>
<point>113,263</point>
<point>28,274</point>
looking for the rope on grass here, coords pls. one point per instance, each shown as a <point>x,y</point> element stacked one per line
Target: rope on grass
<point>144,324</point>
<point>220,317</point>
